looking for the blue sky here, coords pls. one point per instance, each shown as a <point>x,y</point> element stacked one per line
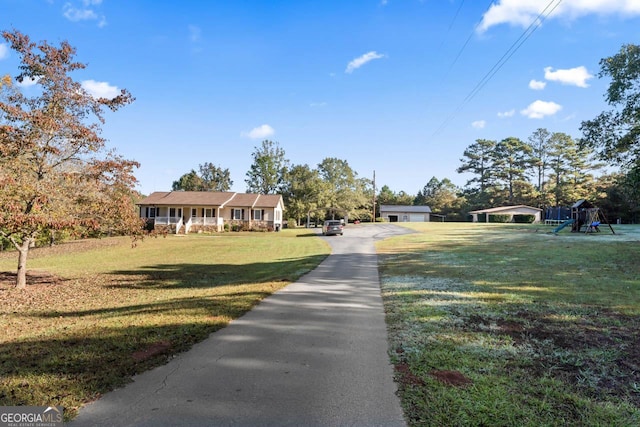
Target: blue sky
<point>401,87</point>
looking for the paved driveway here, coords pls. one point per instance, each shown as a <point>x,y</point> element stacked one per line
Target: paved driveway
<point>312,354</point>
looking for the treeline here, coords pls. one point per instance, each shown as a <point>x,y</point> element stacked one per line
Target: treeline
<point>547,170</point>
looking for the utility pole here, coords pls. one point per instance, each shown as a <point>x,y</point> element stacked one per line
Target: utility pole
<point>374,197</point>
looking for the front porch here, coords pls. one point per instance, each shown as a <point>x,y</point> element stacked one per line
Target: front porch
<point>183,219</point>
<point>183,212</point>
<point>177,225</point>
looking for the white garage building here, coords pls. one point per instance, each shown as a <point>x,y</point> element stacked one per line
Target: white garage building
<point>403,213</point>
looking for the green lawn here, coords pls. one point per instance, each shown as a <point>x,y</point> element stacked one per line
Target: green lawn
<point>508,325</point>
<point>97,312</point>
<point>489,324</point>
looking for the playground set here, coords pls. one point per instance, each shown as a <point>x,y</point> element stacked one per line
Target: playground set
<point>582,214</point>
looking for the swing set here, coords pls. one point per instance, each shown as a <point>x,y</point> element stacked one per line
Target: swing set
<point>584,214</point>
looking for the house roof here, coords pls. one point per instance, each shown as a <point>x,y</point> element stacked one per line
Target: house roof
<point>405,208</point>
<point>211,198</point>
<point>517,209</point>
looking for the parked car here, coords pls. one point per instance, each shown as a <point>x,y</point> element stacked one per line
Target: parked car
<point>332,227</point>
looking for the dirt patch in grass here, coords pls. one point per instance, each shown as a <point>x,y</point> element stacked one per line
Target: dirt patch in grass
<point>598,352</point>
<point>154,349</point>
<point>406,377</point>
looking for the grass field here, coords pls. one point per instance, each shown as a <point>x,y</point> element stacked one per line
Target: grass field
<point>96,312</point>
<point>508,325</point>
<point>498,325</point>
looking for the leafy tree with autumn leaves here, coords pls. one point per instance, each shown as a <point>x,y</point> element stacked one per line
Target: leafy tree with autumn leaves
<point>55,171</point>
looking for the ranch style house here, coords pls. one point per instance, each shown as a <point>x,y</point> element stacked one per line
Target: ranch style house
<point>210,211</point>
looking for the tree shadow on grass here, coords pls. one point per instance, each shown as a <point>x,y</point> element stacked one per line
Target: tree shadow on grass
<point>168,276</point>
<point>91,351</point>
<point>72,369</point>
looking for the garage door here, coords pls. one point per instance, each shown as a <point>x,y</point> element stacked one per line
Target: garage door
<point>416,218</point>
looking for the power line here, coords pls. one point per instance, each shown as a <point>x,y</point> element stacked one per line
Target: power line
<point>475,28</point>
<point>500,63</point>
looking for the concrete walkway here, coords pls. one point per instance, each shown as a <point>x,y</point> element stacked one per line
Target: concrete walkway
<point>312,354</point>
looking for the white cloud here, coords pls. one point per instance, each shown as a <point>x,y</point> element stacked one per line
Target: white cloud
<point>85,12</point>
<point>537,85</point>
<point>260,132</point>
<point>479,124</point>
<point>74,14</point>
<point>504,114</point>
<point>577,76</point>
<point>539,109</point>
<point>28,81</point>
<point>523,12</point>
<point>360,61</point>
<point>4,51</point>
<point>100,89</point>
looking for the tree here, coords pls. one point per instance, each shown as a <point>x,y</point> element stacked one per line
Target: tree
<point>268,170</point>
<point>210,178</point>
<point>343,190</point>
<point>539,143</point>
<point>569,166</point>
<point>618,195</point>
<point>302,191</point>
<point>479,161</point>
<point>561,146</point>
<point>188,182</point>
<point>615,134</point>
<point>215,178</point>
<point>511,159</point>
<point>440,196</point>
<point>54,171</point>
<point>386,196</point>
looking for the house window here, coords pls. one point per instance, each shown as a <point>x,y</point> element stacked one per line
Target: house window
<point>172,212</point>
<point>151,212</point>
<point>194,212</point>
<point>257,214</point>
<point>236,214</point>
<point>209,213</point>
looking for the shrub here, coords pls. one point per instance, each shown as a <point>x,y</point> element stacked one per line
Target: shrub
<point>524,219</point>
<point>499,218</point>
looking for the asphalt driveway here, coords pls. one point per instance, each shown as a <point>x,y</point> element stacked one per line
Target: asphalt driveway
<point>312,354</point>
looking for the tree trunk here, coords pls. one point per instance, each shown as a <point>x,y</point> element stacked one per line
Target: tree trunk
<point>23,251</point>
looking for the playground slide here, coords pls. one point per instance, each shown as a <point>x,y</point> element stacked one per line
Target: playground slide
<point>563,225</point>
